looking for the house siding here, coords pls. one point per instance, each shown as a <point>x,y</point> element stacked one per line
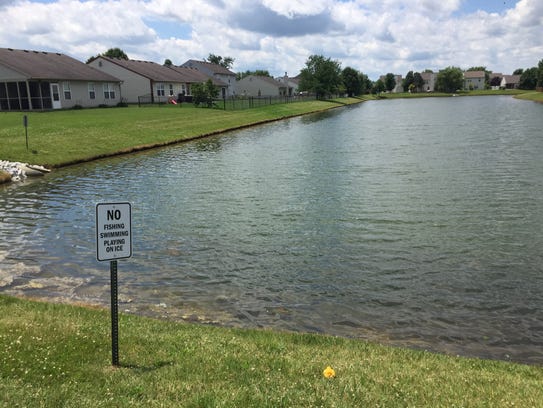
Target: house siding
<point>80,94</point>
<point>133,84</point>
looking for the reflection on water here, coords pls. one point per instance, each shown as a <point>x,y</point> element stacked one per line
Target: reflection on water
<point>412,222</point>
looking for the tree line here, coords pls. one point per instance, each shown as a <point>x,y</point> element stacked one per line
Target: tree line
<point>324,77</point>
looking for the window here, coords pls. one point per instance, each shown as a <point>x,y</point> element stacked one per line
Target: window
<point>109,91</point>
<point>67,91</point>
<point>171,90</point>
<point>92,92</point>
<point>160,89</point>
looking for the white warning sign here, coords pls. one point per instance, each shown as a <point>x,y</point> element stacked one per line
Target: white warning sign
<point>113,231</point>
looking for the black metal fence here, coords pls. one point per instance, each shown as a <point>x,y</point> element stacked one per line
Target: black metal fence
<point>230,102</point>
<point>248,102</point>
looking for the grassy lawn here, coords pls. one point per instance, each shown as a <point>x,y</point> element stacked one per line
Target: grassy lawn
<point>63,137</point>
<point>531,96</point>
<point>56,355</point>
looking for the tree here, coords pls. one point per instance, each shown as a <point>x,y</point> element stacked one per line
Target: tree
<point>378,87</point>
<point>518,71</point>
<point>115,53</point>
<point>390,82</point>
<point>418,81</point>
<point>257,72</point>
<point>495,81</point>
<point>408,80</point>
<point>225,62</point>
<point>168,63</point>
<point>540,74</point>
<point>365,83</point>
<point>111,53</point>
<point>528,79</point>
<point>204,93</point>
<point>449,79</point>
<point>352,81</point>
<point>321,76</point>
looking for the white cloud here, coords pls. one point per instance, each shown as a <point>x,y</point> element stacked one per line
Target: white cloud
<point>374,36</point>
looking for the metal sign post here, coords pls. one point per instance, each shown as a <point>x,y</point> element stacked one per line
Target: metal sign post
<point>114,241</point>
<point>25,124</point>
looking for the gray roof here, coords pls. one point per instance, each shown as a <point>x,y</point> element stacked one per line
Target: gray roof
<point>41,65</point>
<point>208,66</point>
<point>474,74</point>
<point>148,69</point>
<point>192,75</point>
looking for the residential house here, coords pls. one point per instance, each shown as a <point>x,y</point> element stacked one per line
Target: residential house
<point>215,71</point>
<point>474,80</point>
<point>429,79</point>
<point>192,76</point>
<point>291,83</point>
<point>510,82</point>
<point>255,85</point>
<point>37,80</point>
<point>143,80</point>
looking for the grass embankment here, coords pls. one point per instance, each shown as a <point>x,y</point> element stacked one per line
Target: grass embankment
<point>64,137</point>
<point>59,355</point>
<point>531,96</point>
<point>486,92</point>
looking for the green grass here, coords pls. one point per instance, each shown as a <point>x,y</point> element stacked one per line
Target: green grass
<point>64,137</point>
<point>400,95</point>
<point>531,96</point>
<point>56,355</point>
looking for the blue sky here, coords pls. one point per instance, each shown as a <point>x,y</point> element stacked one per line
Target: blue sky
<point>372,36</point>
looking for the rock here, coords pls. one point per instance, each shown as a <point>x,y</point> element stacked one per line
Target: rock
<point>5,177</point>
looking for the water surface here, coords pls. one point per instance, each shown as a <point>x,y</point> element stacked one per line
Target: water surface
<point>412,222</point>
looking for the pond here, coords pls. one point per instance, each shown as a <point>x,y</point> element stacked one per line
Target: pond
<point>409,222</point>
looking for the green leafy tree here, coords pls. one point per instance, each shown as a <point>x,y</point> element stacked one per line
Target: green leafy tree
<point>518,71</point>
<point>111,53</point>
<point>449,79</point>
<point>225,62</point>
<point>540,74</point>
<point>366,83</point>
<point>321,76</point>
<point>378,87</point>
<point>418,81</point>
<point>352,81</point>
<point>528,79</point>
<point>168,63</point>
<point>204,93</point>
<point>115,53</point>
<point>390,82</point>
<point>257,72</point>
<point>408,81</point>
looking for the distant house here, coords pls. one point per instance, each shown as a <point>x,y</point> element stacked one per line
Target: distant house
<point>37,80</point>
<point>474,80</point>
<point>192,76</point>
<point>510,82</point>
<point>215,71</point>
<point>143,79</point>
<point>291,83</point>
<point>429,79</point>
<point>254,85</point>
